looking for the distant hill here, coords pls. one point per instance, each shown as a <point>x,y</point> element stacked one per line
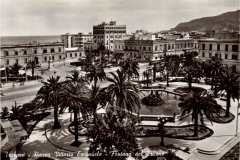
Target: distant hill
<point>224,22</point>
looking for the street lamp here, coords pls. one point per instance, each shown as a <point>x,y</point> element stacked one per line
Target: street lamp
<point>238,107</point>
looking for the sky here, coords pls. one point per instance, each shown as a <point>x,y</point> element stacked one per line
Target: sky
<point>56,17</point>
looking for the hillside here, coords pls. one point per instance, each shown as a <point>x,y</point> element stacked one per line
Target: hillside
<point>223,22</point>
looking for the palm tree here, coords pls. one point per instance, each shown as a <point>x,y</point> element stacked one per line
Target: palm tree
<point>192,66</point>
<point>96,72</point>
<point>117,57</point>
<point>76,77</point>
<point>97,96</point>
<point>213,66</point>
<point>32,65</point>
<point>14,69</point>
<point>73,95</point>
<point>124,93</point>
<point>230,83</point>
<point>199,103</point>
<point>131,67</point>
<point>48,93</point>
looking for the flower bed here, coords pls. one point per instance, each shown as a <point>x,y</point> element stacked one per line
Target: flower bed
<point>186,89</point>
<point>178,132</point>
<point>220,118</point>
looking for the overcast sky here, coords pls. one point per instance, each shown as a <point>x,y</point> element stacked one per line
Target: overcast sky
<point>56,17</point>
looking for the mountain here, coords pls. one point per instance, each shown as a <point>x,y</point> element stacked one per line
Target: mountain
<point>224,22</point>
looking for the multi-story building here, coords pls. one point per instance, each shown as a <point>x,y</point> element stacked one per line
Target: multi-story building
<point>107,33</point>
<point>146,50</point>
<point>228,50</point>
<point>38,52</point>
<point>76,40</point>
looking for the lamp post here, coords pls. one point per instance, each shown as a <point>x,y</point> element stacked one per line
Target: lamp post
<point>162,122</point>
<point>238,107</point>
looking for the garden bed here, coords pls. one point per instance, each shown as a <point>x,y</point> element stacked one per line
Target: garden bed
<point>186,89</point>
<point>178,132</point>
<point>222,119</point>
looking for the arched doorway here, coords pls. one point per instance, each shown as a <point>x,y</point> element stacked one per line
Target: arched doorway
<point>36,60</point>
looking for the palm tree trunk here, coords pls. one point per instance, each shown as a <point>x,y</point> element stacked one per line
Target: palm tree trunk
<point>189,81</point>
<point>56,123</point>
<point>228,104</point>
<point>32,72</point>
<point>154,73</point>
<point>76,142</point>
<point>212,81</point>
<point>167,79</point>
<point>195,123</point>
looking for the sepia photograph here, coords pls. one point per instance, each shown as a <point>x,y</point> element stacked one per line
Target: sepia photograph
<point>120,80</point>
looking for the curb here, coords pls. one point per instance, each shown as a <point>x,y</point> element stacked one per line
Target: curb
<point>46,131</point>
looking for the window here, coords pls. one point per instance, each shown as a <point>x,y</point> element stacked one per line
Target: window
<point>149,48</point>
<point>203,46</point>
<point>59,50</point>
<point>155,48</point>
<point>52,50</point>
<point>226,47</point>
<point>177,46</point>
<point>25,60</point>
<point>80,54</point>
<point>126,47</point>
<point>185,45</point>
<point>6,53</point>
<point>144,48</point>
<point>17,61</point>
<point>172,46</point>
<point>16,53</point>
<point>115,36</point>
<point>95,41</point>
<point>44,50</point>
<point>45,58</point>
<point>70,54</point>
<point>210,46</point>
<point>140,48</point>
<point>160,47</point>
<point>218,47</point>
<point>115,46</point>
<point>111,36</point>
<point>119,46</point>
<point>203,54</point>
<point>75,54</point>
<point>25,52</point>
<point>7,61</point>
<point>53,58</point>
<point>234,57</point>
<point>111,41</point>
<point>35,51</point>
<point>169,46</point>
<point>107,36</point>
<point>210,54</point>
<point>226,56</point>
<point>60,57</point>
<point>235,48</point>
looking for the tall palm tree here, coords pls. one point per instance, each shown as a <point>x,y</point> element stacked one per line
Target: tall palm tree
<point>48,93</point>
<point>131,67</point>
<point>213,65</point>
<point>32,65</point>
<point>14,69</point>
<point>96,72</point>
<point>123,93</point>
<point>117,57</point>
<point>97,96</point>
<point>199,103</point>
<point>73,95</point>
<point>192,66</point>
<point>76,78</point>
<point>230,83</point>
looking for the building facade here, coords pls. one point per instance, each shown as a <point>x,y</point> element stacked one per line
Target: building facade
<point>107,33</point>
<point>38,52</point>
<point>76,40</point>
<point>227,50</point>
<point>146,50</point>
